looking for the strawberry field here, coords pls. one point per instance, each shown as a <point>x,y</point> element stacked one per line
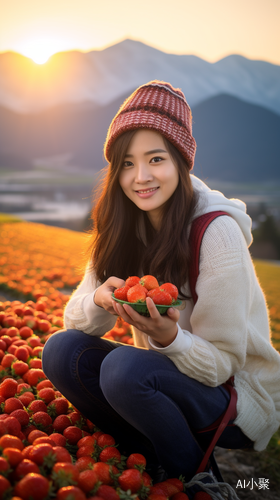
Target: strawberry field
<point>48,450</point>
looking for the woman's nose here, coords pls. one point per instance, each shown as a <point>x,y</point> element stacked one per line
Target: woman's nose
<point>143,173</point>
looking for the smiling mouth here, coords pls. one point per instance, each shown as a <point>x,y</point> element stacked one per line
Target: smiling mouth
<point>143,191</point>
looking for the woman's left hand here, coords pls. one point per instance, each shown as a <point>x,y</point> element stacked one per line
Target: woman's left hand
<point>162,329</point>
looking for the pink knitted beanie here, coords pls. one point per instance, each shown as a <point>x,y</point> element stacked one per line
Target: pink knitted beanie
<point>160,107</point>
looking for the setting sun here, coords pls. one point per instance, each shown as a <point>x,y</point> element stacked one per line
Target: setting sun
<point>41,50</point>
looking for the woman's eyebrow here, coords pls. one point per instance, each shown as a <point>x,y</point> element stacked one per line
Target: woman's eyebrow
<point>149,152</point>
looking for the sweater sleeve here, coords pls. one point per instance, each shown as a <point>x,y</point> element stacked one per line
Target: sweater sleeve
<point>216,348</point>
<point>81,312</point>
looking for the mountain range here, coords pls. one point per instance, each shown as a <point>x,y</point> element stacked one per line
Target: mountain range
<point>65,107</point>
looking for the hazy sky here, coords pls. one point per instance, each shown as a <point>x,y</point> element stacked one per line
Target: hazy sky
<point>210,29</point>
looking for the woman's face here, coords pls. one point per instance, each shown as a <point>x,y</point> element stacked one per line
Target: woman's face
<point>149,175</point>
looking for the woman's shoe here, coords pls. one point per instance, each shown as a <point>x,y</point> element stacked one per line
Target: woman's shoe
<point>157,473</point>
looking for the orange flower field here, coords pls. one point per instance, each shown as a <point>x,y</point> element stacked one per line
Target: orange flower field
<point>44,261</point>
<point>48,449</point>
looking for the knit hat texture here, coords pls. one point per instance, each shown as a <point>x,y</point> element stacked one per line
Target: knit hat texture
<point>157,106</point>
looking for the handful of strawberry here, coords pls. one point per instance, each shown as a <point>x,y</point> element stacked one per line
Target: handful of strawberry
<point>136,290</point>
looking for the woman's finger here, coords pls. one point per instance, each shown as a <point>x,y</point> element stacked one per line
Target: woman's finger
<point>134,315</point>
<point>173,313</point>
<point>152,308</point>
<point>123,313</point>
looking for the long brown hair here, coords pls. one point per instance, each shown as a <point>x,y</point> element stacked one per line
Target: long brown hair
<point>117,248</point>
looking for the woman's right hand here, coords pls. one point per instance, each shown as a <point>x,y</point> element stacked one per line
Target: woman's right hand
<point>103,294</point>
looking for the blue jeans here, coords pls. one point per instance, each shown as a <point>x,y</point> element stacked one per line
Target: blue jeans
<point>140,398</point>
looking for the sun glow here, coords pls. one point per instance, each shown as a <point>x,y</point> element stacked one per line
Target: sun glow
<point>41,50</point>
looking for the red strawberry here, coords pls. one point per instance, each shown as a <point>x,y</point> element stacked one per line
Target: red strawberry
<point>25,332</point>
<point>4,467</point>
<point>136,460</point>
<point>85,451</point>
<point>23,387</point>
<point>44,439</point>
<point>105,440</point>
<point>25,467</point>
<point>160,297</point>
<point>22,353</point>
<point>22,416</point>
<point>130,479</point>
<point>5,485</point>
<point>170,288</point>
<point>35,375</point>
<point>149,282</point>
<point>168,488</point>
<point>64,474</point>
<point>26,398</point>
<point>61,454</point>
<point>132,280</point>
<point>107,492</point>
<point>47,394</point>
<point>35,363</point>
<point>13,455</point>
<point>58,406</point>
<point>137,293</point>
<point>58,439</point>
<point>43,384</point>
<point>39,452</point>
<point>42,420</point>
<point>157,496</point>
<point>10,426</point>
<point>121,293</point>
<point>7,360</point>
<point>87,440</point>
<point>12,404</point>
<point>34,434</point>
<point>110,455</point>
<point>104,472</point>
<point>37,405</point>
<point>177,482</point>
<point>87,480</point>
<point>70,493</point>
<point>147,480</point>
<point>10,441</point>
<point>33,486</point>
<point>85,463</point>
<point>182,496</point>
<point>8,388</point>
<point>61,422</point>
<point>19,368</point>
<point>72,434</point>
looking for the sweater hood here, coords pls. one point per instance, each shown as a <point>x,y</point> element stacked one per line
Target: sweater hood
<point>211,200</point>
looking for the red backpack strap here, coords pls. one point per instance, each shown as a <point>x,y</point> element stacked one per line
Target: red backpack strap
<point>198,228</point>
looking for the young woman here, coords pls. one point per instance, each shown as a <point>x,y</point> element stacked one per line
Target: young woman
<point>158,396</point>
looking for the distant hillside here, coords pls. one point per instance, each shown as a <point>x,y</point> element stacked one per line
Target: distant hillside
<point>77,129</point>
<point>236,140</point>
<point>103,76</point>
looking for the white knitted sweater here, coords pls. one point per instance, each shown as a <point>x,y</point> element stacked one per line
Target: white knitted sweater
<point>226,332</point>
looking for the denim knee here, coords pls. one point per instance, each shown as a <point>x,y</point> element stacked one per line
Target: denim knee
<point>61,351</point>
<point>52,352</point>
<point>119,373</point>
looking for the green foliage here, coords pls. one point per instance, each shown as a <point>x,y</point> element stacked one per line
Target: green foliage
<point>270,459</point>
<point>4,218</point>
<point>268,231</point>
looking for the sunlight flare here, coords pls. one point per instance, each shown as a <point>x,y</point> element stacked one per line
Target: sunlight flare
<point>41,50</point>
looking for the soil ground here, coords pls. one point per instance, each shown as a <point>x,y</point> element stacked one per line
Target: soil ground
<point>237,466</point>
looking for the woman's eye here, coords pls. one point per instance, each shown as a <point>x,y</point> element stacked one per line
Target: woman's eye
<point>156,159</point>
<point>127,164</point>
